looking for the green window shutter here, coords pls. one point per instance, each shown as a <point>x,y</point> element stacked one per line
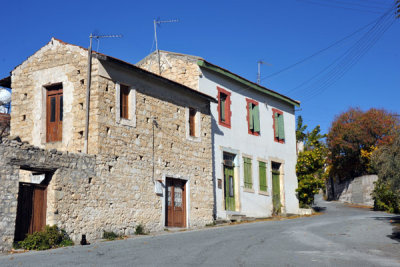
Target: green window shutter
<point>248,183</point>
<point>262,175</point>
<point>222,108</point>
<point>256,117</point>
<point>281,127</point>
<point>251,124</point>
<point>276,121</point>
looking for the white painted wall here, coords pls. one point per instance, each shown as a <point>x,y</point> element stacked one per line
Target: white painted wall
<point>238,140</point>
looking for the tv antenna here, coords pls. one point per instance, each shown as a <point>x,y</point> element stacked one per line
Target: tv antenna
<point>159,22</point>
<point>89,78</point>
<point>259,69</point>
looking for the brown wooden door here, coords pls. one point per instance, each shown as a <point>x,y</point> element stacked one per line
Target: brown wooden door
<point>175,203</point>
<point>54,113</point>
<point>31,210</point>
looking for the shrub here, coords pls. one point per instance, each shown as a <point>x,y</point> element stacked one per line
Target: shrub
<point>111,235</point>
<point>139,230</point>
<point>50,237</point>
<point>384,198</point>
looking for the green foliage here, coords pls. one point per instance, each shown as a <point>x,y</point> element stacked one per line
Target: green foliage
<point>139,230</point>
<point>310,167</point>
<point>353,136</point>
<point>51,237</point>
<point>386,162</point>
<point>111,235</point>
<point>385,198</point>
<point>300,128</point>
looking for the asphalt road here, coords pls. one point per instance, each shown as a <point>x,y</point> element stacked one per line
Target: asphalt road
<point>341,236</point>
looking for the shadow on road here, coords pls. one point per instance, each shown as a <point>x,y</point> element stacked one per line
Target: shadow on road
<point>319,209</point>
<point>395,222</point>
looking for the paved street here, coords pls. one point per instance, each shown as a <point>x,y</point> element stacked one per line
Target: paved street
<point>342,236</point>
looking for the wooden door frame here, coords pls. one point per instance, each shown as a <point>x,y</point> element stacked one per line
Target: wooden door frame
<point>30,229</point>
<point>185,203</point>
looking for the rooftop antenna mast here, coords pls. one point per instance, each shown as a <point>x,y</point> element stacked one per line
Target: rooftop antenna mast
<point>158,22</point>
<point>259,70</point>
<point>89,78</point>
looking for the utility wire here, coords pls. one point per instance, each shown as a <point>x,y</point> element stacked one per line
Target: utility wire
<point>350,57</point>
<point>336,6</point>
<point>320,51</point>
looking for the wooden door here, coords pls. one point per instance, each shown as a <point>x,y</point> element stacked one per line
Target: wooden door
<point>276,194</point>
<point>31,210</point>
<point>229,188</point>
<point>175,203</point>
<point>54,113</point>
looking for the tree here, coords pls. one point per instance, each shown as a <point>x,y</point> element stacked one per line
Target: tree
<point>386,163</point>
<point>300,128</point>
<point>310,167</point>
<point>352,138</point>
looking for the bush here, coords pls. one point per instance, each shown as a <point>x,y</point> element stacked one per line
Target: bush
<point>384,198</point>
<point>50,237</point>
<point>139,230</point>
<point>111,235</point>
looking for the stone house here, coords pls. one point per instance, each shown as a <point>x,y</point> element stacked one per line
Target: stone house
<point>254,141</point>
<point>149,145</point>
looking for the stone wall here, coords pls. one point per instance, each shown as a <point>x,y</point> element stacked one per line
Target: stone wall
<point>114,188</point>
<point>174,66</point>
<point>4,124</point>
<point>356,191</point>
<point>15,156</point>
<point>56,62</point>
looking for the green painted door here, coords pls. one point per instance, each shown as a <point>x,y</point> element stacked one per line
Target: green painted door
<point>276,193</point>
<point>229,188</point>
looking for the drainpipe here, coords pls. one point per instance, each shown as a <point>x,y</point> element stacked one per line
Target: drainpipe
<point>89,76</point>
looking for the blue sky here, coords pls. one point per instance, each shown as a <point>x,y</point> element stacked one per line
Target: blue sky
<point>235,35</point>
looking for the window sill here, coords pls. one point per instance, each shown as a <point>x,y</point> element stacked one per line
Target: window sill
<point>224,124</point>
<point>193,138</point>
<point>126,122</point>
<point>264,193</point>
<point>254,133</point>
<point>248,190</point>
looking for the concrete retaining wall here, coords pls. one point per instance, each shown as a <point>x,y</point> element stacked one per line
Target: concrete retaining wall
<point>356,191</point>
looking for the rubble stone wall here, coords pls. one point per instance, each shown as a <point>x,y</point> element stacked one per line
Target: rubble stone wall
<point>56,62</point>
<point>65,168</point>
<point>180,68</point>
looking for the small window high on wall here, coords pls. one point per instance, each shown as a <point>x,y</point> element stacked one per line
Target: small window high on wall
<point>224,107</point>
<point>192,122</point>
<point>124,101</point>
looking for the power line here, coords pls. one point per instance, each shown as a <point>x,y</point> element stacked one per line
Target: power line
<point>319,51</point>
<point>349,58</point>
<point>353,55</point>
<point>337,6</point>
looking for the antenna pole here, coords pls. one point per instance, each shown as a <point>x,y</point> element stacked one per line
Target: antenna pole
<point>156,22</point>
<point>259,70</point>
<point>89,80</point>
<point>158,51</point>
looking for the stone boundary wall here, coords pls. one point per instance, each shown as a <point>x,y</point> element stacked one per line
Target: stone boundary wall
<point>16,155</point>
<point>356,191</point>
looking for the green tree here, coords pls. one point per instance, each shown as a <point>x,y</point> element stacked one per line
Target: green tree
<point>300,128</point>
<point>386,163</point>
<point>352,138</point>
<point>310,167</point>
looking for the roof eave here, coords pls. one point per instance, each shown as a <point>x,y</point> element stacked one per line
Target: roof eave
<point>217,69</point>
